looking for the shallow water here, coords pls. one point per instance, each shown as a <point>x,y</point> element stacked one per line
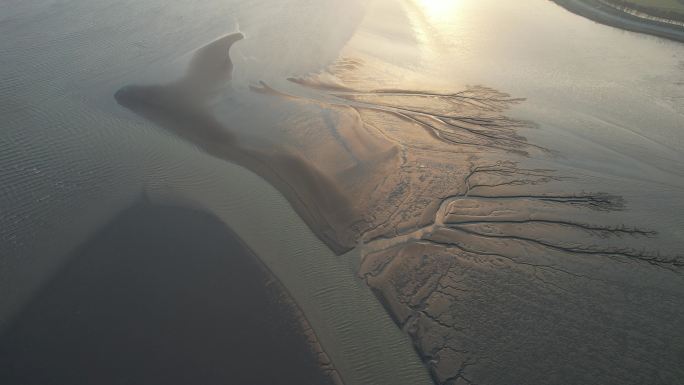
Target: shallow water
<point>161,295</point>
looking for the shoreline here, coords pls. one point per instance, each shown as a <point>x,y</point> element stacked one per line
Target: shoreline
<point>594,10</point>
<point>327,366</point>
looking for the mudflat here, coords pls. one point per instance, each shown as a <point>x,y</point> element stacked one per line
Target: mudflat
<point>439,190</point>
<point>507,175</point>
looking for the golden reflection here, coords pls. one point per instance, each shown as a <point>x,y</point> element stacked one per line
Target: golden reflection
<point>440,10</point>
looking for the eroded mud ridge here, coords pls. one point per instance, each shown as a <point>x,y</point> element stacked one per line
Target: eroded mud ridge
<point>405,152</point>
<point>496,271</point>
<point>455,171</point>
<point>500,271</point>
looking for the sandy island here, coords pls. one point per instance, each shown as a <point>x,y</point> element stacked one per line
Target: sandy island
<point>428,184</point>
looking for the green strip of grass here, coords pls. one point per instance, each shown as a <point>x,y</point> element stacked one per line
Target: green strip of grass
<point>669,9</point>
<point>665,5</point>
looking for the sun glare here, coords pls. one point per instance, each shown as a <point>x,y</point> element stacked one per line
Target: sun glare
<point>440,9</point>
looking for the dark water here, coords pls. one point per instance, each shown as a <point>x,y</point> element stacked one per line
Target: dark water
<point>160,296</point>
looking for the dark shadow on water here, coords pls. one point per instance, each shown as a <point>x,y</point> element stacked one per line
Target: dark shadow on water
<point>160,296</point>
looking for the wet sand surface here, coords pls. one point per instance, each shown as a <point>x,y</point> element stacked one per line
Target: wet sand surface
<point>183,107</point>
<point>161,295</point>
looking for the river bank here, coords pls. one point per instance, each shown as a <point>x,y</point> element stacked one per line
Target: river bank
<point>605,14</point>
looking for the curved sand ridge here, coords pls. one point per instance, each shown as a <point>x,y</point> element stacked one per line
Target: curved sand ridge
<point>184,108</point>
